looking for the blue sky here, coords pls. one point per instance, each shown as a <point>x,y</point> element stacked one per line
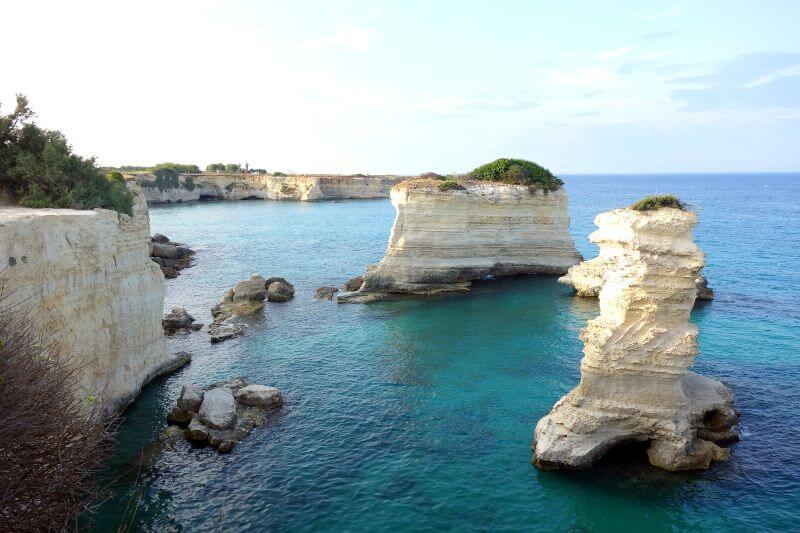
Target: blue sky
<point>412,86</point>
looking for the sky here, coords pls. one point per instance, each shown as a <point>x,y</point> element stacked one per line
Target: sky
<point>413,86</point>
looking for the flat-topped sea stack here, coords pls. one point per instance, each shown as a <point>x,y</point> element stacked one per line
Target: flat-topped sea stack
<point>449,232</point>
<point>164,188</point>
<point>635,385</point>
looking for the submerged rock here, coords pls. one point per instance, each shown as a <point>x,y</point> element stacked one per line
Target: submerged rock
<point>280,291</point>
<point>223,332</point>
<point>326,293</point>
<point>634,384</point>
<point>443,239</point>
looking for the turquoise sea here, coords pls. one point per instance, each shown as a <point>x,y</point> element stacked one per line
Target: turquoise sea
<point>418,415</point>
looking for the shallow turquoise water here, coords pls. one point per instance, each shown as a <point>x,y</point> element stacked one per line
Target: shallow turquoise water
<point>418,415</point>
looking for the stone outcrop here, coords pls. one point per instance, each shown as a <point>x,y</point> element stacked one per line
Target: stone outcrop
<point>222,414</point>
<point>354,284</point>
<point>246,298</point>
<point>587,277</point>
<point>280,291</point>
<point>635,386</point>
<point>222,186</point>
<point>441,240</point>
<point>179,321</point>
<point>88,279</point>
<point>172,257</point>
<point>325,293</point>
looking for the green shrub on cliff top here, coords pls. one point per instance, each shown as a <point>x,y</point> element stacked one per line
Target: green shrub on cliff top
<point>658,201</point>
<point>38,169</point>
<point>518,172</point>
<point>450,185</point>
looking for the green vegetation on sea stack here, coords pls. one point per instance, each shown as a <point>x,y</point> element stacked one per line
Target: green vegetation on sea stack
<point>450,185</point>
<point>658,201</point>
<point>38,169</point>
<point>518,172</point>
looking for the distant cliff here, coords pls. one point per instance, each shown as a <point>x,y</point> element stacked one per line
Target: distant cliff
<point>88,279</point>
<point>189,187</point>
<point>445,236</point>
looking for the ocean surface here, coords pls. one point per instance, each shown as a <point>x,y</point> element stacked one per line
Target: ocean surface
<point>418,415</point>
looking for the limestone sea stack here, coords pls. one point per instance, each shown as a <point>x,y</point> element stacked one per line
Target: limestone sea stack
<point>634,384</point>
<point>447,234</point>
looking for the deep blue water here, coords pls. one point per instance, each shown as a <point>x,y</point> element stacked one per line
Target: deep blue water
<point>418,414</point>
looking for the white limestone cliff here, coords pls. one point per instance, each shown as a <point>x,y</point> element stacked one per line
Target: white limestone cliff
<point>87,278</point>
<point>190,187</point>
<point>441,240</point>
<point>635,384</point>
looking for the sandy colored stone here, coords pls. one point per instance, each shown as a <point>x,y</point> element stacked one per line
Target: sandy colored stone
<point>442,240</point>
<point>635,384</point>
<point>87,275</point>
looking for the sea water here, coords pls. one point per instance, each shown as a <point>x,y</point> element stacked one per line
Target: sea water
<point>418,415</point>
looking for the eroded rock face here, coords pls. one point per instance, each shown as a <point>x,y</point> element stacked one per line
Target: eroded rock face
<point>224,186</point>
<point>587,277</point>
<point>354,284</point>
<point>635,385</point>
<point>442,240</point>
<point>88,279</point>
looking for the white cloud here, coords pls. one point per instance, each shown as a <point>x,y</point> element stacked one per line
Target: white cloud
<point>617,52</point>
<point>348,37</point>
<point>787,72</point>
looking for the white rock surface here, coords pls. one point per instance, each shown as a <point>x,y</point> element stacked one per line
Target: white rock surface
<point>218,410</point>
<point>441,240</point>
<point>88,278</point>
<point>191,398</point>
<point>634,380</point>
<point>265,186</point>
<point>259,396</point>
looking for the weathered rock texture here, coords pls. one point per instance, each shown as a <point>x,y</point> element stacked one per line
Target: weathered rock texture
<point>191,187</point>
<point>441,240</point>
<point>172,257</point>
<point>88,278</point>
<point>634,380</point>
<point>587,277</point>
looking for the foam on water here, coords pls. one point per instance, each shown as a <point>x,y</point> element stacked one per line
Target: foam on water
<point>418,414</point>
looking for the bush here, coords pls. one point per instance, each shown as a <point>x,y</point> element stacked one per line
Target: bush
<point>432,176</point>
<point>232,167</point>
<point>518,172</point>
<point>451,185</point>
<point>658,201</point>
<point>279,174</point>
<point>178,168</point>
<point>38,169</point>
<point>53,442</point>
<point>214,167</point>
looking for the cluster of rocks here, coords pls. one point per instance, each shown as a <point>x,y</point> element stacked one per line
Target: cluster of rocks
<point>223,413</point>
<point>246,298</point>
<point>172,257</point>
<point>327,292</point>
<point>179,322</point>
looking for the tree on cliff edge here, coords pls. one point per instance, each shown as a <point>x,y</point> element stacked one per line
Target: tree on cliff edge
<point>38,169</point>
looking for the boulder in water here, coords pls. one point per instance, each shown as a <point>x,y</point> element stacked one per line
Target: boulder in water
<point>280,291</point>
<point>218,410</point>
